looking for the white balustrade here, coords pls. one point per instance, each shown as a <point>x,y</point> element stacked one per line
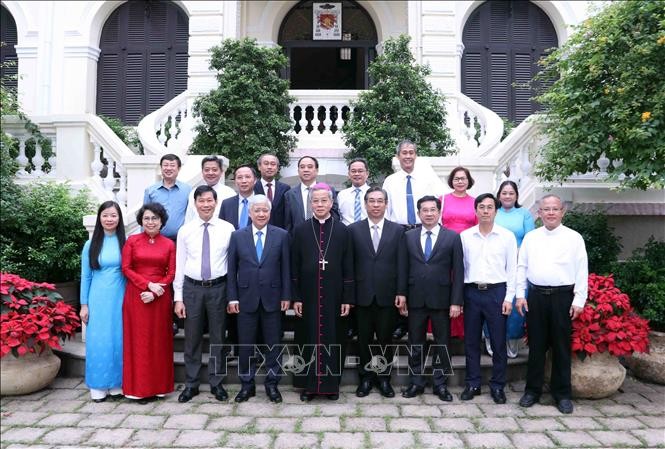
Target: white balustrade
<point>35,166</point>
<point>475,129</point>
<point>170,129</point>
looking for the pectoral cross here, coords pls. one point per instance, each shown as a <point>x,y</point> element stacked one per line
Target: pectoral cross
<point>322,264</point>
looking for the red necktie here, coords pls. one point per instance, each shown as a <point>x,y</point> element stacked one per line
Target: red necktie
<point>269,191</point>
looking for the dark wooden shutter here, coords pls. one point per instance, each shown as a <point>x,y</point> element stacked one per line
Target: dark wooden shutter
<point>9,38</point>
<point>503,41</point>
<point>143,61</point>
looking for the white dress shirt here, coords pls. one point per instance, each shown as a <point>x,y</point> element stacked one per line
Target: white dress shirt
<point>190,246</point>
<point>490,259</point>
<point>553,258</point>
<point>304,193</point>
<point>223,192</point>
<point>240,198</point>
<point>421,185</point>
<point>379,227</point>
<point>423,236</point>
<point>346,201</point>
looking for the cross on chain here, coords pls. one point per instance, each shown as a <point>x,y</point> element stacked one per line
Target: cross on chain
<point>322,264</point>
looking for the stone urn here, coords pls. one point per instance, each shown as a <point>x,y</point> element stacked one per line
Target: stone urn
<point>651,366</point>
<point>28,373</point>
<point>597,376</point>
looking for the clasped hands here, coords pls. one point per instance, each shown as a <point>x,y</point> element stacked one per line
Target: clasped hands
<point>154,289</point>
<point>235,306</point>
<point>297,308</point>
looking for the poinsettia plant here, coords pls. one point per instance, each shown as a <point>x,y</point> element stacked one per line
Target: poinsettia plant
<point>34,317</point>
<point>608,322</point>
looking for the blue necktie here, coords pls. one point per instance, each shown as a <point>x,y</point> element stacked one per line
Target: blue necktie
<point>410,210</point>
<point>243,214</point>
<point>259,245</point>
<point>356,206</point>
<point>428,245</point>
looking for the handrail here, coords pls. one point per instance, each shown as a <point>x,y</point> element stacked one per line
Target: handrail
<point>474,127</point>
<point>169,128</point>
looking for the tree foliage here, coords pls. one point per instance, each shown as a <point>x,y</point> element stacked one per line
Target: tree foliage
<point>609,96</point>
<point>247,114</point>
<point>401,104</point>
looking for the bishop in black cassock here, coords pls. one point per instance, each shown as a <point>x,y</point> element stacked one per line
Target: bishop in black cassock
<point>322,273</point>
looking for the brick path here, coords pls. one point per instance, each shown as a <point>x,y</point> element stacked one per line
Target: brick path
<point>62,416</point>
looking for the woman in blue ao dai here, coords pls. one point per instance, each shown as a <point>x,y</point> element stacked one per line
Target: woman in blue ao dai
<point>102,289</point>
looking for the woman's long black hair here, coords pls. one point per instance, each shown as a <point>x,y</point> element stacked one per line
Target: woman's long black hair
<point>98,234</point>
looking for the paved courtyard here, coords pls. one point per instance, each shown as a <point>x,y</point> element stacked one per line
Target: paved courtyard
<point>62,416</point>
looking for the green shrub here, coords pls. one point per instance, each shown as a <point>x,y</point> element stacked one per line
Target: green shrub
<point>642,278</point>
<point>602,245</point>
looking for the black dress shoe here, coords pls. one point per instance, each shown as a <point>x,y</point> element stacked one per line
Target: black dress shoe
<point>364,388</point>
<point>97,401</point>
<point>219,393</point>
<point>469,393</point>
<point>351,332</point>
<point>273,394</point>
<point>565,406</point>
<point>399,332</point>
<point>442,393</point>
<point>528,400</point>
<point>188,393</point>
<point>116,397</point>
<point>306,397</point>
<point>147,400</point>
<point>412,391</point>
<point>245,393</point>
<point>498,395</point>
<point>333,397</point>
<point>385,389</point>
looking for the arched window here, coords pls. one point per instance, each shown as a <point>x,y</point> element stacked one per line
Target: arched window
<point>503,41</point>
<point>9,38</point>
<point>328,64</point>
<point>143,60</point>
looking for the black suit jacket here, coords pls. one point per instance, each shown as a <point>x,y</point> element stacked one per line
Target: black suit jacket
<point>380,274</point>
<point>277,217</point>
<point>439,282</point>
<point>229,211</point>
<point>294,212</point>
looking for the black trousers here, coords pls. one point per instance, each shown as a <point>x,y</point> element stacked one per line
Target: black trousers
<point>441,365</point>
<point>549,327</point>
<point>370,320</point>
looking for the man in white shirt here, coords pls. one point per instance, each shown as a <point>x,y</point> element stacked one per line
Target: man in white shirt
<point>200,291</point>
<point>351,204</point>
<point>552,266</point>
<point>211,170</point>
<point>490,262</point>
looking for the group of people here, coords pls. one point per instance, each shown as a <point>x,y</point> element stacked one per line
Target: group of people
<point>404,258</point>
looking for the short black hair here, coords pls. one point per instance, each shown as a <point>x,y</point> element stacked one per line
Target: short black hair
<point>156,209</point>
<point>245,166</point>
<point>358,159</point>
<point>466,172</point>
<point>200,190</point>
<point>483,196</point>
<point>376,188</point>
<point>427,198</point>
<point>170,157</point>
<point>316,163</point>
<point>212,159</point>
<point>508,182</point>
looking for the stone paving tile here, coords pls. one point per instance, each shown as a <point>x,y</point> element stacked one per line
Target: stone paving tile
<point>365,424</point>
<point>586,410</point>
<point>198,438</point>
<point>650,408</point>
<point>296,410</point>
<point>531,440</point>
<point>23,446</point>
<point>440,440</point>
<point>453,425</point>
<point>230,423</point>
<point>162,437</point>
<point>67,394</point>
<point>276,424</point>
<point>351,398</point>
<point>336,409</point>
<point>487,440</point>
<point>391,440</point>
<point>130,407</point>
<point>618,410</point>
<point>421,410</point>
<point>580,423</point>
<point>102,420</point>
<point>62,419</point>
<point>463,410</point>
<point>170,408</point>
<point>22,406</point>
<point>542,410</point>
<point>323,424</point>
<point>379,410</point>
<point>66,382</point>
<point>256,409</point>
<point>60,406</point>
<point>245,441</point>
<point>217,408</point>
<point>186,421</point>
<point>23,434</point>
<point>110,437</point>
<point>540,424</point>
<point>497,424</point>
<point>652,437</point>
<point>98,407</point>
<point>36,396</point>
<point>143,422</point>
<point>657,396</point>
<point>574,439</point>
<point>615,438</point>
<point>408,425</point>
<point>621,423</point>
<point>652,421</point>
<point>21,418</point>
<point>502,410</point>
<point>296,441</point>
<point>630,398</point>
<point>66,435</point>
<point>343,440</point>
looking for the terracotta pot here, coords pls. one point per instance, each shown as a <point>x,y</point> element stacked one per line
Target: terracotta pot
<point>28,373</point>
<point>651,366</point>
<point>598,376</point>
<point>70,292</point>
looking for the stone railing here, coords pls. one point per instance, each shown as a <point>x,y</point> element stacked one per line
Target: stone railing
<point>31,160</point>
<point>170,129</point>
<point>475,128</point>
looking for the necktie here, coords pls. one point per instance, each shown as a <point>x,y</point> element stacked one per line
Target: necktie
<point>308,206</point>
<point>205,254</point>
<point>259,245</point>
<point>428,245</point>
<point>375,237</point>
<point>269,191</point>
<point>356,206</point>
<point>410,210</point>
<point>243,214</point>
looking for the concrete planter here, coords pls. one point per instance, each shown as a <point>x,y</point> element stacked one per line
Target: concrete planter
<point>28,373</point>
<point>651,366</point>
<point>598,376</point>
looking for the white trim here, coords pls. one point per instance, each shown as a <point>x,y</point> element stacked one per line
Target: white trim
<point>77,51</point>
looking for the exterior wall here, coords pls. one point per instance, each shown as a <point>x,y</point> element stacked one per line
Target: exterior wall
<point>636,230</point>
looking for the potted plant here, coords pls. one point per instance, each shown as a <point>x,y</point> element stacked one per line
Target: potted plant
<point>34,320</point>
<point>607,328</point>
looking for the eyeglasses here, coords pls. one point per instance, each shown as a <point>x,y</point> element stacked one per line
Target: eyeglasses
<point>547,210</point>
<point>151,219</point>
<point>459,179</point>
<point>357,172</point>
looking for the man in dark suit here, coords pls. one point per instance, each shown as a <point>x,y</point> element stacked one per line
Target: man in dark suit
<point>379,260</point>
<point>272,188</point>
<point>259,290</point>
<point>297,207</point>
<point>235,210</point>
<point>436,284</point>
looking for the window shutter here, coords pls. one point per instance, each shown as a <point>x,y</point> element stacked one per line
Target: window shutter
<point>499,84</point>
<point>109,76</point>
<point>9,37</point>
<point>135,79</point>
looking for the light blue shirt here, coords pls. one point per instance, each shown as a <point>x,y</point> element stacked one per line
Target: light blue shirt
<point>174,201</point>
